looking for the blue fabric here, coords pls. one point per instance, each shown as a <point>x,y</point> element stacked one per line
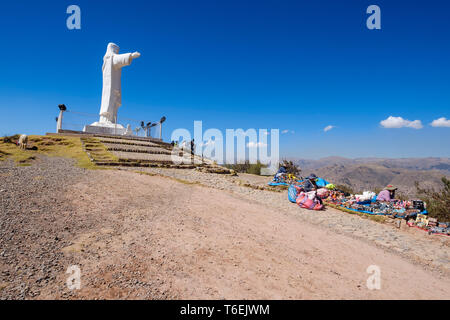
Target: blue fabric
<point>425,212</point>
<point>281,170</point>
<point>401,215</point>
<point>321,182</point>
<point>292,193</point>
<point>278,184</point>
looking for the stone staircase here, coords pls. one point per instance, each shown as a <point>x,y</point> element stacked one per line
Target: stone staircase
<point>119,151</point>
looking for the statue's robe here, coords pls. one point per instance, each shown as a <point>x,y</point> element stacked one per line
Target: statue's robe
<point>112,93</point>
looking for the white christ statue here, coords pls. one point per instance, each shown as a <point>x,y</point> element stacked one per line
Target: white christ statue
<point>113,62</point>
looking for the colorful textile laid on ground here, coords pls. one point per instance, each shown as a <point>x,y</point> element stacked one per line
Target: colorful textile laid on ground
<point>284,179</point>
<point>431,225</point>
<point>313,192</point>
<point>366,203</point>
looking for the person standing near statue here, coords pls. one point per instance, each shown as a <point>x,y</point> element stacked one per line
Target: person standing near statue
<point>192,149</point>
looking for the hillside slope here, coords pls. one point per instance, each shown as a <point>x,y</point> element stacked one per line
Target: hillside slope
<point>374,176</point>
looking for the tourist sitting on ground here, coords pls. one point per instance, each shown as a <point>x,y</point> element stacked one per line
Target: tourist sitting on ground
<point>388,194</point>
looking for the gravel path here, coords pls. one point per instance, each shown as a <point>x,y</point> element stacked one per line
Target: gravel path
<point>136,236</point>
<point>35,223</point>
<point>430,250</point>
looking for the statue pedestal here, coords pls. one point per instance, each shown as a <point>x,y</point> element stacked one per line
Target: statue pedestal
<point>105,128</point>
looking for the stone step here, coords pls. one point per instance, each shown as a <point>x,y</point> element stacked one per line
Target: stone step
<point>132,138</point>
<point>130,142</point>
<point>90,149</point>
<point>136,149</point>
<point>132,152</point>
<point>144,164</point>
<point>148,157</point>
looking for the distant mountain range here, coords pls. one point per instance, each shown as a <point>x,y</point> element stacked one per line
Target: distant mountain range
<point>375,173</point>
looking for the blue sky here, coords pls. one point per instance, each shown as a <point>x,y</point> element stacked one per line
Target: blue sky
<point>293,65</point>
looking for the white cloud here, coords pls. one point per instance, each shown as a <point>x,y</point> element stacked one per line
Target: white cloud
<point>284,131</point>
<point>399,122</point>
<point>328,128</point>
<point>441,122</point>
<point>252,144</point>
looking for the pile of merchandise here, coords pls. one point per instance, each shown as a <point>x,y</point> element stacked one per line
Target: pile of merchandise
<point>313,193</point>
<point>305,193</point>
<point>282,178</point>
<point>397,209</point>
<point>307,200</point>
<point>432,225</point>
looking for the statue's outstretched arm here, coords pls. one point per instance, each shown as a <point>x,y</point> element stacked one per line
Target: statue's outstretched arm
<point>122,60</point>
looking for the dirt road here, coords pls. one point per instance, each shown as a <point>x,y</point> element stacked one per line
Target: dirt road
<point>150,237</point>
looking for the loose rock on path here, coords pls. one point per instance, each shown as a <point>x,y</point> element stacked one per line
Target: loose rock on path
<point>198,236</point>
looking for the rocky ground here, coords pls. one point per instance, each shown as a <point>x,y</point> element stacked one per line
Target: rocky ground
<point>36,222</point>
<point>430,250</point>
<point>171,234</point>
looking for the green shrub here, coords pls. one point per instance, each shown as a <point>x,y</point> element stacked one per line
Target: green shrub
<point>438,202</point>
<point>345,189</point>
<point>247,167</point>
<point>11,139</point>
<point>290,167</point>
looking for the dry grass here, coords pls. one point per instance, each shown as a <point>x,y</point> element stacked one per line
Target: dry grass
<point>3,285</point>
<point>376,218</point>
<point>172,178</point>
<point>52,146</point>
<point>98,150</point>
<point>11,150</point>
<point>266,188</point>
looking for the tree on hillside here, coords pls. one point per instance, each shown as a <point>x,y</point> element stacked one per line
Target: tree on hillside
<point>246,167</point>
<point>438,202</point>
<point>290,167</point>
<point>345,189</point>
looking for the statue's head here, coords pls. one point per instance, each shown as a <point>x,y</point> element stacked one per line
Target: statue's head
<point>112,48</point>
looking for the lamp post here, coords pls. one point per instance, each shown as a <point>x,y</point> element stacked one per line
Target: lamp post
<point>62,108</point>
<point>153,125</point>
<point>160,126</point>
<point>149,131</point>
